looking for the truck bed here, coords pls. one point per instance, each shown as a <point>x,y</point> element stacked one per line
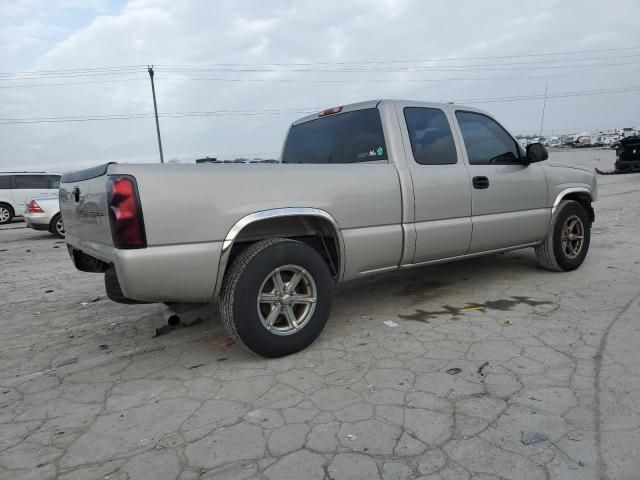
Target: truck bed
<point>190,209</point>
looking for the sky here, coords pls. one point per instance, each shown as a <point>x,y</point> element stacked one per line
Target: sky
<point>232,75</point>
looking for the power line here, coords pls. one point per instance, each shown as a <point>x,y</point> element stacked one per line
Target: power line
<point>328,81</point>
<point>446,68</point>
<point>296,67</point>
<point>255,65</point>
<point>32,85</point>
<point>72,75</point>
<point>558,95</point>
<point>391,80</point>
<point>73,70</point>
<point>441,59</point>
<point>211,112</point>
<point>257,69</point>
<point>349,62</point>
<point>287,111</point>
<point>131,116</point>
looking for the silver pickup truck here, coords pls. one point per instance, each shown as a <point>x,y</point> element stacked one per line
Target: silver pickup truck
<point>361,189</point>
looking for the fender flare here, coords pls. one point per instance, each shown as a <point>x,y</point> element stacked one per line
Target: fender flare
<point>235,230</point>
<point>566,192</point>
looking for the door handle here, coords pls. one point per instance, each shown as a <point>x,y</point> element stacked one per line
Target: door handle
<point>481,183</point>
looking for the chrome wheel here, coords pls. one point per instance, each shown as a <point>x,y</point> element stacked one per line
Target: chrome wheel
<point>572,237</point>
<point>5,214</point>
<point>287,299</point>
<point>60,227</point>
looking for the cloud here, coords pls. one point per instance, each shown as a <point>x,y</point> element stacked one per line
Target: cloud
<point>38,36</point>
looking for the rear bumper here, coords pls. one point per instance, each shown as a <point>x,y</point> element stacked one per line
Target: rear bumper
<point>38,221</point>
<point>168,273</point>
<point>38,226</point>
<point>114,290</point>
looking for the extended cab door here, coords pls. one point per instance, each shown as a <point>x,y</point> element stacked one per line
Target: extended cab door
<point>509,197</point>
<point>441,184</point>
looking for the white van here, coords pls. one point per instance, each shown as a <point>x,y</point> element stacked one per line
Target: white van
<point>17,187</point>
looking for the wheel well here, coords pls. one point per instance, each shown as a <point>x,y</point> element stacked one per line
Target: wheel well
<point>585,200</point>
<point>317,232</point>
<point>8,205</point>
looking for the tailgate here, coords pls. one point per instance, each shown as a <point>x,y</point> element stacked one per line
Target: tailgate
<point>83,205</point>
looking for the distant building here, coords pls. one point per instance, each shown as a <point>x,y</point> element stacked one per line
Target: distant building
<point>551,141</point>
<point>582,139</point>
<point>605,137</point>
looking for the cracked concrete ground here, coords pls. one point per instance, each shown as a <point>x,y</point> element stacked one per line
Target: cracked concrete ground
<point>87,392</point>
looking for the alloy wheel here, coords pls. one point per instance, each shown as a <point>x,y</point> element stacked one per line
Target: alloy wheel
<point>60,227</point>
<point>572,238</point>
<point>5,214</point>
<point>287,299</point>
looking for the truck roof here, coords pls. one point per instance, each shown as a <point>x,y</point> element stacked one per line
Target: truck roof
<point>373,104</point>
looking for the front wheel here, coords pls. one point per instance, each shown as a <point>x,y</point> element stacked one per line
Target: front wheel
<point>566,244</point>
<point>276,297</point>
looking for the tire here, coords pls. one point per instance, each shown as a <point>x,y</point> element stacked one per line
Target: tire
<point>6,213</point>
<point>558,252</point>
<point>253,275</point>
<point>56,227</point>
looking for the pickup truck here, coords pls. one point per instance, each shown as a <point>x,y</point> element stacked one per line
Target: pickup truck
<point>360,189</point>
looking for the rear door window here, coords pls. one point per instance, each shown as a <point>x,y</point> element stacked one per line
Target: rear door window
<point>430,135</point>
<point>5,182</point>
<point>486,141</point>
<point>31,182</point>
<point>350,137</point>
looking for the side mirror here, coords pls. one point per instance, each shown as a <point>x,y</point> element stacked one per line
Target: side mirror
<point>536,153</point>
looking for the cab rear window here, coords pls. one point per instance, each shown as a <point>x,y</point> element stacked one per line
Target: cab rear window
<point>350,137</point>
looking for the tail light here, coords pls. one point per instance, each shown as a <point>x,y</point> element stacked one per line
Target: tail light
<point>33,207</point>
<point>125,212</point>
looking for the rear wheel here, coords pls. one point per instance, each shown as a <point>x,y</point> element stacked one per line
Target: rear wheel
<point>276,297</point>
<point>566,244</point>
<point>57,227</point>
<point>6,214</point>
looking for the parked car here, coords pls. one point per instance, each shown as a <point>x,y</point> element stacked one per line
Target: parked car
<point>17,187</point>
<point>362,189</point>
<point>43,213</point>
<point>628,155</point>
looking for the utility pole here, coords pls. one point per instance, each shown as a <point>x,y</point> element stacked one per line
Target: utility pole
<point>544,106</point>
<point>155,109</point>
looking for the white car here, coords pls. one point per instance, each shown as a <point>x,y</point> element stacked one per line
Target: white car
<point>18,187</point>
<point>43,213</point>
